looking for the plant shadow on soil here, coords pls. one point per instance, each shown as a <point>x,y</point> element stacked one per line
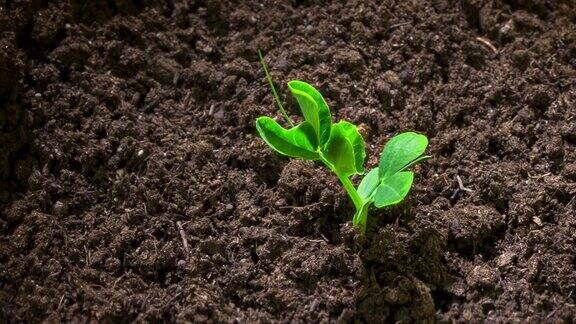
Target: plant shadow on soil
<point>127,131</point>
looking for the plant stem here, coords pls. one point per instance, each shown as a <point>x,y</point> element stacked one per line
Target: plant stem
<point>356,199</point>
<point>274,94</point>
<point>359,219</point>
<point>361,213</point>
<point>350,190</point>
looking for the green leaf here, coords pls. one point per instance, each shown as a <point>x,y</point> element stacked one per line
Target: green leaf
<point>345,149</point>
<point>351,133</point>
<point>368,184</point>
<point>314,108</point>
<point>393,189</point>
<point>400,151</point>
<point>297,142</point>
<point>340,154</point>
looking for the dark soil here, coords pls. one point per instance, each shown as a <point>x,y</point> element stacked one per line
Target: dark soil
<point>123,121</point>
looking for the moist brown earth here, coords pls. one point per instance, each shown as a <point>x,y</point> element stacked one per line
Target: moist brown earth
<point>127,128</point>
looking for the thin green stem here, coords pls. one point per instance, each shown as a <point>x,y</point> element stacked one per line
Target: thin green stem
<point>361,213</point>
<point>360,218</point>
<point>350,190</point>
<point>274,94</point>
<point>356,199</point>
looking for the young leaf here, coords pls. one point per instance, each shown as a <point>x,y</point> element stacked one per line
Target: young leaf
<point>368,184</point>
<point>314,108</point>
<point>393,189</point>
<point>351,133</point>
<point>340,154</point>
<point>400,151</point>
<point>345,149</point>
<point>297,142</point>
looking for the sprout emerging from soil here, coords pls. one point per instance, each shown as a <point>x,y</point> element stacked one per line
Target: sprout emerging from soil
<point>341,148</point>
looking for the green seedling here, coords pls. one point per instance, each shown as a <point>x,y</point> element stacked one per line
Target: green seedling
<point>340,147</point>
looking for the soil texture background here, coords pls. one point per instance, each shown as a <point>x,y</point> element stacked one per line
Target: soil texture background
<point>133,186</point>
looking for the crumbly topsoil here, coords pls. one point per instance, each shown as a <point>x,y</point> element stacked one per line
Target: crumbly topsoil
<point>127,127</point>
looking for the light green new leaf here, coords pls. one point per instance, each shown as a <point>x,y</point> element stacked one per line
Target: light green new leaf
<point>400,151</point>
<point>393,189</point>
<point>351,133</point>
<point>368,184</point>
<point>345,149</point>
<point>314,108</point>
<point>339,153</point>
<point>297,142</point>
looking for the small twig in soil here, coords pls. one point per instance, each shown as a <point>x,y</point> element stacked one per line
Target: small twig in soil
<point>487,43</point>
<point>171,300</point>
<point>186,100</point>
<point>460,187</point>
<point>300,207</point>
<point>176,77</point>
<point>60,302</point>
<point>87,259</point>
<point>184,240</point>
<point>537,220</point>
<point>313,305</point>
<point>117,281</point>
<point>392,27</point>
<point>563,303</point>
<point>325,240</point>
<point>539,176</point>
<point>570,202</point>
